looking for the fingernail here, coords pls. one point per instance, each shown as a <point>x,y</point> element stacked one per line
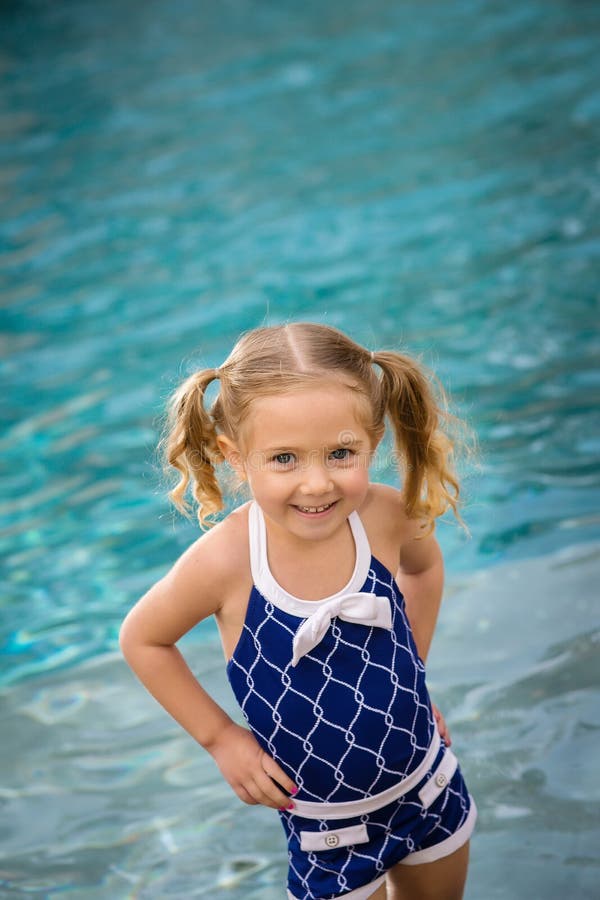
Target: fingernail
<point>282,808</point>
<point>294,790</point>
<point>291,806</point>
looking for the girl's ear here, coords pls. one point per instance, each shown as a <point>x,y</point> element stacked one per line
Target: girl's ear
<point>232,455</point>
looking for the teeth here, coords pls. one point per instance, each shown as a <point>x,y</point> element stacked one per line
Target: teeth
<point>314,509</point>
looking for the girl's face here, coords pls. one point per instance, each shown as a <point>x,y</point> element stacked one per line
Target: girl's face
<point>305,455</point>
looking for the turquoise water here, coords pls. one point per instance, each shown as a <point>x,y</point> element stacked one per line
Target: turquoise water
<point>423,175</point>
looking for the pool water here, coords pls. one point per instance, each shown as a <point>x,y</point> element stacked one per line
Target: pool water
<point>423,175</point>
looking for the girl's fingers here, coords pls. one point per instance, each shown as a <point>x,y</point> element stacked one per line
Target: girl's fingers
<point>257,778</point>
<point>443,730</point>
<point>441,725</point>
<point>274,771</point>
<point>268,782</point>
<point>260,790</point>
<point>257,787</point>
<point>245,796</point>
<point>275,801</point>
<point>272,795</point>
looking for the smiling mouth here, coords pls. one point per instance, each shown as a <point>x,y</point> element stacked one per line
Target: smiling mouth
<point>315,509</point>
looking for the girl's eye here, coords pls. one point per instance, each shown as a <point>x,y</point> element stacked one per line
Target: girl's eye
<point>342,454</point>
<point>284,459</point>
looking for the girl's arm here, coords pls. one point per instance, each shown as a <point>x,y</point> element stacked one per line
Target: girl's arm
<point>417,560</point>
<point>148,636</point>
<point>420,577</point>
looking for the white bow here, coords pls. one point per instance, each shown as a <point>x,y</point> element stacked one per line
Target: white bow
<point>363,608</point>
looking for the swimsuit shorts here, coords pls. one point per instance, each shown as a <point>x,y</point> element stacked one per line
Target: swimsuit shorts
<point>343,850</point>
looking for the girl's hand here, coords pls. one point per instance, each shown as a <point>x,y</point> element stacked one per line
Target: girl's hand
<point>441,724</point>
<point>250,771</point>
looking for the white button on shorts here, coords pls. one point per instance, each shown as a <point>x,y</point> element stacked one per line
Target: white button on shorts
<point>329,840</point>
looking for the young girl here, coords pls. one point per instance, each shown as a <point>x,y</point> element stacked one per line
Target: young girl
<point>325,648</point>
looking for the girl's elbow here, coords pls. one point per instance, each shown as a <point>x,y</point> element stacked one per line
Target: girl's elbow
<point>127,639</point>
<point>137,637</point>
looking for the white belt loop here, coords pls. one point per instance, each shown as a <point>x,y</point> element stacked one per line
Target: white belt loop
<point>307,809</point>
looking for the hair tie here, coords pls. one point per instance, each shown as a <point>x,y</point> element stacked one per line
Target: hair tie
<point>372,356</point>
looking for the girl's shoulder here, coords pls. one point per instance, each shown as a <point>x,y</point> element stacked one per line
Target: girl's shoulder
<point>384,515</point>
<point>383,498</point>
<point>220,558</point>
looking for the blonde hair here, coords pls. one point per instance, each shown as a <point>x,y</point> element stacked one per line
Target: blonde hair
<point>273,360</point>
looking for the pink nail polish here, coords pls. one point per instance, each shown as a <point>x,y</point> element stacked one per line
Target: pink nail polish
<point>291,806</point>
<point>294,790</point>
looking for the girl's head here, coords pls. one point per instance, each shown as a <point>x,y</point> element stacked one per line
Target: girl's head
<point>284,359</point>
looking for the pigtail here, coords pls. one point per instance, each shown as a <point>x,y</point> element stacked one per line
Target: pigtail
<point>424,449</point>
<point>190,446</point>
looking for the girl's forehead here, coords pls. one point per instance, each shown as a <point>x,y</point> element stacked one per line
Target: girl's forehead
<point>304,414</point>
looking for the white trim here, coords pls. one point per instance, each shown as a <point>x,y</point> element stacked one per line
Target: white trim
<point>439,780</point>
<point>360,893</point>
<point>310,810</point>
<point>334,838</point>
<point>447,846</point>
<point>271,590</point>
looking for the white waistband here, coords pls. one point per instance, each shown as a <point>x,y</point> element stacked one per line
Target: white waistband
<point>311,810</point>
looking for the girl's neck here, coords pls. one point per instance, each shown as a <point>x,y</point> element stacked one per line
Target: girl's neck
<point>311,570</point>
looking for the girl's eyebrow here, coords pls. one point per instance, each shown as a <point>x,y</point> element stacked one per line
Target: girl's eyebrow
<point>286,448</point>
<point>280,449</point>
<point>274,451</point>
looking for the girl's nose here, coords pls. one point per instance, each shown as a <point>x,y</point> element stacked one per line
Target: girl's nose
<point>316,480</point>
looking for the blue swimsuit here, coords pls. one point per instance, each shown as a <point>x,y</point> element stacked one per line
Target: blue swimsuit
<point>335,692</point>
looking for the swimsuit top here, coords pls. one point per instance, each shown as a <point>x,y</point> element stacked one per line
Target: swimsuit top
<point>346,713</point>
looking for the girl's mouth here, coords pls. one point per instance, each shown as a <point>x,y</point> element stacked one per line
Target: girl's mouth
<point>313,510</point>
